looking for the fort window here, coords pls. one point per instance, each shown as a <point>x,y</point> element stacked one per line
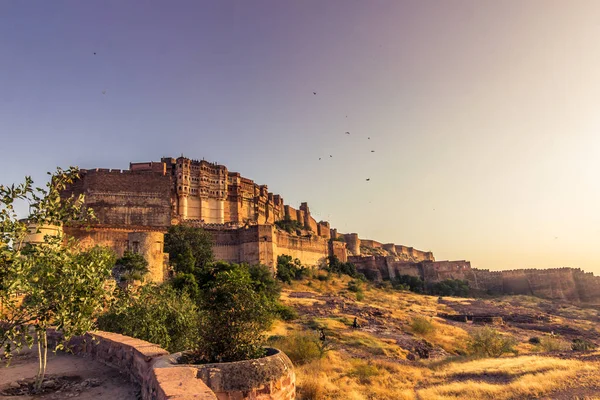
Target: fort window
<point>135,247</point>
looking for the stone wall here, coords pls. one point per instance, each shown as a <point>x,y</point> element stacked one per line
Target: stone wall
<point>147,241</point>
<point>137,359</point>
<point>126,197</point>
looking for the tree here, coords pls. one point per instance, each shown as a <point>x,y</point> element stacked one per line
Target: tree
<point>52,283</point>
<point>158,314</point>
<point>131,267</point>
<point>288,269</point>
<point>233,315</point>
<point>189,248</point>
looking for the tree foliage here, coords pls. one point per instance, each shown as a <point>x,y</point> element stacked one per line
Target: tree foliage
<point>233,315</point>
<point>450,287</point>
<point>488,342</point>
<point>189,248</point>
<point>334,265</point>
<point>409,282</point>
<point>288,269</point>
<point>52,283</point>
<point>158,314</point>
<point>131,267</point>
<point>291,226</point>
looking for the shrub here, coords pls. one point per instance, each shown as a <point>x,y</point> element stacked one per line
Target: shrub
<point>409,282</point>
<point>291,226</point>
<point>337,267</point>
<point>264,282</point>
<point>189,248</point>
<point>288,269</point>
<point>324,278</point>
<point>233,316</point>
<point>450,287</point>
<point>301,348</point>
<point>130,267</point>
<point>488,342</point>
<point>354,286</point>
<point>582,345</point>
<point>422,326</point>
<point>158,314</point>
<point>534,340</point>
<point>286,313</point>
<point>549,343</point>
<point>364,372</point>
<point>360,296</point>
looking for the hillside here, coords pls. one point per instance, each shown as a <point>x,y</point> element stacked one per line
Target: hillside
<point>387,358</point>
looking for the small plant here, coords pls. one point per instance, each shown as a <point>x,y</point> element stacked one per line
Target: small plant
<point>422,326</point>
<point>360,296</point>
<point>582,345</point>
<point>364,372</point>
<point>534,340</point>
<point>488,342</point>
<point>354,286</point>
<point>550,343</point>
<point>286,313</point>
<point>301,348</point>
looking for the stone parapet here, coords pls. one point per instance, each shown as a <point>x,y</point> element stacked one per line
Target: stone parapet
<point>138,359</point>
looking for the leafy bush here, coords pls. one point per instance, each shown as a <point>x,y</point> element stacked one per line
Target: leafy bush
<point>286,313</point>
<point>409,282</point>
<point>360,296</point>
<point>130,267</point>
<point>189,248</point>
<point>301,348</point>
<point>422,326</point>
<point>337,267</point>
<point>582,345</point>
<point>549,343</point>
<point>264,282</point>
<point>158,314</point>
<point>488,342</point>
<point>450,287</point>
<point>233,315</point>
<point>288,269</point>
<point>534,340</point>
<point>354,286</point>
<point>291,226</point>
<point>364,372</point>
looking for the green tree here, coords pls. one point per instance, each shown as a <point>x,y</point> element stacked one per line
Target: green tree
<point>288,269</point>
<point>189,248</point>
<point>52,283</point>
<point>131,267</point>
<point>233,315</point>
<point>158,314</point>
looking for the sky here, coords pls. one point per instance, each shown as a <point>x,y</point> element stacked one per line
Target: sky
<point>475,122</point>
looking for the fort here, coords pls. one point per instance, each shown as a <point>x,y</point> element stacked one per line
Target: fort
<point>135,207</point>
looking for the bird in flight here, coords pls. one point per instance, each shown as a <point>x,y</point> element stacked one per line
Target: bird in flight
<point>372,151</point>
<point>330,156</point>
<point>347,133</point>
<point>369,138</point>
<point>319,158</point>
<point>315,93</point>
<point>104,92</point>
<point>368,179</point>
<point>94,53</point>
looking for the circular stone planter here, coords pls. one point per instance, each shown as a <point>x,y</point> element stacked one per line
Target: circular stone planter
<point>269,377</point>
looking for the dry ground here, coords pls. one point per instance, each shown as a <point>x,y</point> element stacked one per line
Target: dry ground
<point>106,383</point>
<point>374,361</point>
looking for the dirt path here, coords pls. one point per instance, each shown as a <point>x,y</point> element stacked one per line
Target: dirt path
<point>107,383</point>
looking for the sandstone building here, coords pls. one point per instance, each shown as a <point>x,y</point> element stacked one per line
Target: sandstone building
<point>135,207</point>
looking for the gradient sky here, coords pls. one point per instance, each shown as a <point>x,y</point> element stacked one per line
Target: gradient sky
<point>484,115</point>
